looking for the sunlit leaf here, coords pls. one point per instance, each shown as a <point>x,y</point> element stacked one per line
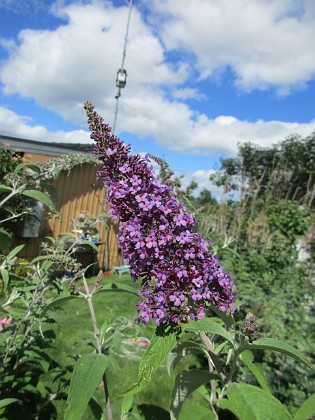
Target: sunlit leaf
<point>249,402</point>
<point>208,326</point>
<point>154,356</point>
<point>307,410</point>
<point>279,346</point>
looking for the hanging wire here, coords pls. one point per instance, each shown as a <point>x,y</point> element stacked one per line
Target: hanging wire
<point>118,94</point>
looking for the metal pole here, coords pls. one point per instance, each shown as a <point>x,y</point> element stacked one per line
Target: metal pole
<point>122,66</point>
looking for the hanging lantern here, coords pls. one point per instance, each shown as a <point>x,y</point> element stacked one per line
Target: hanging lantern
<point>121,78</point>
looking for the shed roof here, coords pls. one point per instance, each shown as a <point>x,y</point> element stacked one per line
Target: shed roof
<point>44,148</point>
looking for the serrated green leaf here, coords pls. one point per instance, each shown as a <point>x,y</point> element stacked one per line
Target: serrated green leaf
<point>209,326</point>
<point>251,402</point>
<point>186,383</point>
<point>87,374</point>
<point>39,196</point>
<point>180,350</point>
<point>307,410</point>
<point>8,401</point>
<point>248,360</point>
<point>279,346</point>
<point>154,356</point>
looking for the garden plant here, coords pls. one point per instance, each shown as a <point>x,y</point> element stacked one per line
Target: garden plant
<point>197,311</point>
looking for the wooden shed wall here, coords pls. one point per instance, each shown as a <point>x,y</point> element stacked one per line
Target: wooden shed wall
<point>78,192</point>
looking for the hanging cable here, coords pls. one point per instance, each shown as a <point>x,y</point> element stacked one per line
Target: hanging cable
<point>122,74</point>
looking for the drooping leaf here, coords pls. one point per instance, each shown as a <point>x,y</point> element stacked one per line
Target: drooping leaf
<point>187,382</point>
<point>154,356</point>
<point>180,350</point>
<point>58,302</point>
<point>21,166</point>
<point>307,410</point>
<point>39,196</point>
<point>248,360</point>
<point>249,402</point>
<point>87,374</point>
<point>209,326</point>
<point>279,346</point>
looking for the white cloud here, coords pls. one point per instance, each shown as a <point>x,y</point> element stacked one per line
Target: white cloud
<point>18,126</point>
<point>265,42</point>
<point>201,177</point>
<point>199,136</point>
<point>62,68</point>
<point>187,93</point>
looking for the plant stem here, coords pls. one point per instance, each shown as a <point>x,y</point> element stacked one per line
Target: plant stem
<point>98,344</point>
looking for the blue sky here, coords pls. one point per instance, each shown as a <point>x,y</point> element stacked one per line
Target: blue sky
<point>203,75</point>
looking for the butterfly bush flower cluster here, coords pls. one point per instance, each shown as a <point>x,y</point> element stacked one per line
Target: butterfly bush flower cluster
<point>159,238</point>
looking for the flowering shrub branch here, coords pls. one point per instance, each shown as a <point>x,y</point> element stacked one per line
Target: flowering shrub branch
<point>159,238</point>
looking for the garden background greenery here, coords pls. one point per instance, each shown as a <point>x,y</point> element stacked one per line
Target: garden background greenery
<point>262,230</point>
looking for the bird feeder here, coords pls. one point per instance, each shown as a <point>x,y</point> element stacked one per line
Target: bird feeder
<point>121,78</point>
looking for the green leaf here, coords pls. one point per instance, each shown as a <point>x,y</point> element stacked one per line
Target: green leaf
<point>307,410</point>
<point>248,360</point>
<point>39,196</point>
<point>5,276</point>
<point>126,405</point>
<point>57,302</point>
<point>26,165</point>
<point>154,356</point>
<point>14,252</point>
<point>196,412</point>
<point>7,401</point>
<point>280,346</point>
<point>118,287</point>
<point>249,402</point>
<point>87,374</point>
<point>209,326</point>
<point>180,350</point>
<point>186,383</point>
<point>5,188</point>
<point>225,317</point>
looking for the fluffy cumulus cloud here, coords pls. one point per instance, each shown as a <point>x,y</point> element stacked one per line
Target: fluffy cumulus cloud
<point>266,43</point>
<point>20,126</point>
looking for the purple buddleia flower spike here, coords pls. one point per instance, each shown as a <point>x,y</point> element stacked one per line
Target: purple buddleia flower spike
<point>180,277</point>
